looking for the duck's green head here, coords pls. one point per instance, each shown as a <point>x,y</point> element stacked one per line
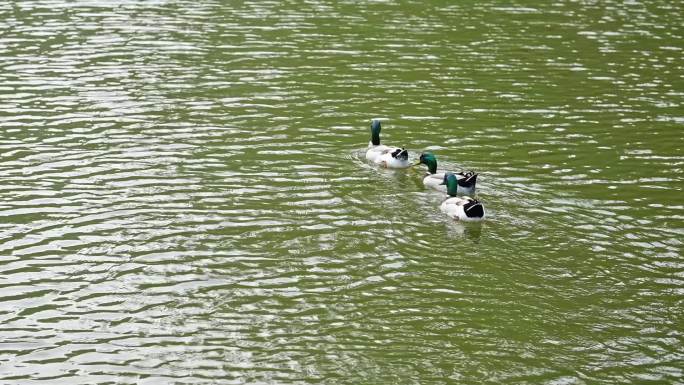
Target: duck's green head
<point>375,132</point>
<point>430,161</point>
<point>451,182</point>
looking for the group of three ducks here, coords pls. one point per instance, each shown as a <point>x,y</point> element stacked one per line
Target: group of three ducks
<point>462,183</point>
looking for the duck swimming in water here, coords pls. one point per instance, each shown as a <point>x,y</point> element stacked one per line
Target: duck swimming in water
<point>460,208</point>
<point>385,156</point>
<point>437,180</point>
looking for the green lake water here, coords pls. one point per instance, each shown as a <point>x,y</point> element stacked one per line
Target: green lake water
<point>184,197</point>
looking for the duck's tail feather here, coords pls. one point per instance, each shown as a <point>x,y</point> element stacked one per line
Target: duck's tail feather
<point>469,179</point>
<point>400,153</point>
<point>474,209</point>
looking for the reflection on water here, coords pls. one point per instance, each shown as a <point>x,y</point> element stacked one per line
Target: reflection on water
<point>183,199</point>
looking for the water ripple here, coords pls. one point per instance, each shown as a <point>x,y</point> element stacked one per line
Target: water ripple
<point>185,197</point>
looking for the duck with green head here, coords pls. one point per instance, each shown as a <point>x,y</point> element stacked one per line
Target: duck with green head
<point>382,155</point>
<point>460,208</point>
<point>436,180</point>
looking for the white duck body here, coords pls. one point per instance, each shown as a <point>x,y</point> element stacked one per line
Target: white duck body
<point>382,155</point>
<point>463,209</point>
<point>435,181</point>
<point>374,152</point>
<point>395,158</point>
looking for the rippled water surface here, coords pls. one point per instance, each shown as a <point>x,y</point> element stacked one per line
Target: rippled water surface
<point>184,196</point>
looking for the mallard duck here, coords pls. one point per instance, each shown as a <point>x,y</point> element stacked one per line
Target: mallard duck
<point>385,156</point>
<point>437,180</point>
<point>460,208</point>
